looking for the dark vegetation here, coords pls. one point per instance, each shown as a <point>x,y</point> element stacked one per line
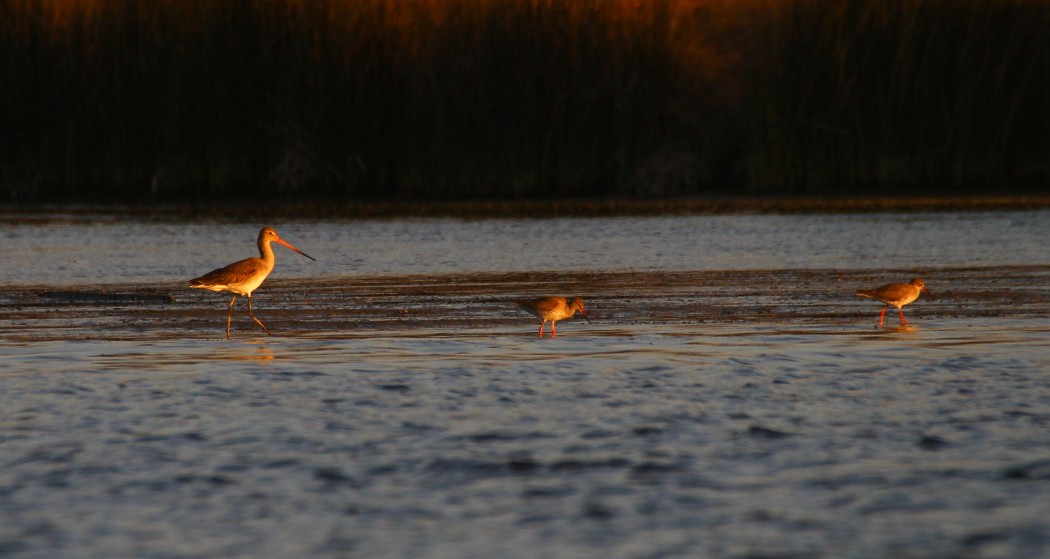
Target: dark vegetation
<point>345,100</point>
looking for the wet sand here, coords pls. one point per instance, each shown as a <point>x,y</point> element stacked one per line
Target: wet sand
<point>479,302</point>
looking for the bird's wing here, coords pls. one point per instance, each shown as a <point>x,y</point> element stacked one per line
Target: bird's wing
<point>895,291</point>
<point>235,273</point>
<point>537,307</point>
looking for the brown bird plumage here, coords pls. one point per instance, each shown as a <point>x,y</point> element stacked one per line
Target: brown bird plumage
<point>895,295</point>
<point>552,309</point>
<point>245,276</point>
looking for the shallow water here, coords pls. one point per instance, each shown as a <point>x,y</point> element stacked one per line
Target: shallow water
<point>715,406</point>
<point>69,250</point>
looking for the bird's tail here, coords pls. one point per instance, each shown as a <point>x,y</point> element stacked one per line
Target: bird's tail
<point>528,307</point>
<point>865,293</point>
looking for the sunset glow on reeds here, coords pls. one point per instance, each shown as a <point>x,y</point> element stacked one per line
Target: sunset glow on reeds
<point>522,98</point>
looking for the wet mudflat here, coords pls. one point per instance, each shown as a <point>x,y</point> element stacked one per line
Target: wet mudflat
<point>450,305</point>
<point>704,412</point>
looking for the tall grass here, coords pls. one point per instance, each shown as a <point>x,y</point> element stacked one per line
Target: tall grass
<point>914,95</point>
<point>177,99</point>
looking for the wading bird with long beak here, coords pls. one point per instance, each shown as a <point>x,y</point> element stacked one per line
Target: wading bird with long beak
<point>552,309</point>
<point>895,295</point>
<point>245,276</point>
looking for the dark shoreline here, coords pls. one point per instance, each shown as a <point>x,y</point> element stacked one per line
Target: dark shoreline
<point>238,210</point>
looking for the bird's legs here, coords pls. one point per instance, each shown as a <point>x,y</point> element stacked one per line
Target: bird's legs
<point>252,314</point>
<point>229,316</point>
<point>882,316</point>
<point>553,331</point>
<point>542,324</point>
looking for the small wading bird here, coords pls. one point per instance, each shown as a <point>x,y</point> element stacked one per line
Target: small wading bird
<point>552,309</point>
<point>895,295</point>
<point>241,278</point>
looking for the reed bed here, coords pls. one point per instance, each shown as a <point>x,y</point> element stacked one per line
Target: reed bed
<point>520,99</point>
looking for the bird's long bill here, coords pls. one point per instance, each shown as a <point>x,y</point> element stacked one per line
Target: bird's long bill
<point>585,316</point>
<point>289,245</point>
